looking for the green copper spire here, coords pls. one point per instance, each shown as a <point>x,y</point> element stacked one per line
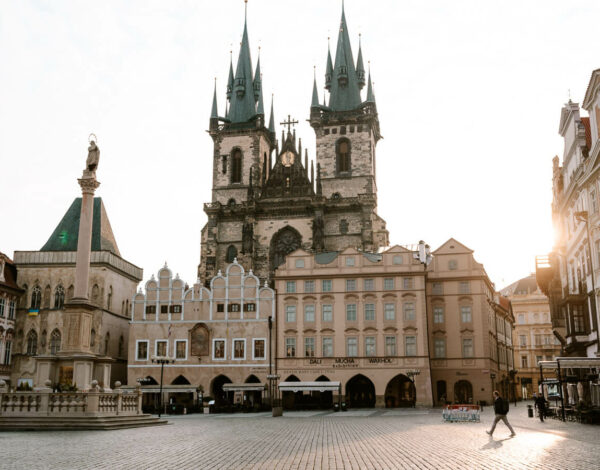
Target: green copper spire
<point>345,91</point>
<point>360,68</point>
<point>260,108</point>
<point>257,84</point>
<point>213,112</point>
<point>315,94</point>
<point>272,118</point>
<point>243,103</point>
<point>328,68</point>
<point>370,92</point>
<point>230,79</point>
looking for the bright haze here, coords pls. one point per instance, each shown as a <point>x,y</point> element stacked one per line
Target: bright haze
<point>469,96</point>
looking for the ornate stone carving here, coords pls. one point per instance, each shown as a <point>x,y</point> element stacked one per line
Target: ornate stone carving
<point>200,338</point>
<point>247,237</point>
<point>284,242</point>
<point>318,233</point>
<point>93,158</point>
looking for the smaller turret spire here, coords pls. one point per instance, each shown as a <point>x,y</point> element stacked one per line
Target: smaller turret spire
<point>370,92</point>
<point>257,85</point>
<point>315,93</point>
<point>360,69</point>
<point>272,118</point>
<point>214,114</point>
<point>230,79</point>
<point>329,67</point>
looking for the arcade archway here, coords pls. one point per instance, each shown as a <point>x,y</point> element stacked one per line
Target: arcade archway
<point>463,392</point>
<point>222,398</point>
<point>400,392</point>
<point>360,392</point>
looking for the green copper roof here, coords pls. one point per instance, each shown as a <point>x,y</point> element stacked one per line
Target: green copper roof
<point>360,68</point>
<point>66,234</point>
<point>345,91</point>
<point>272,118</point>
<point>370,92</point>
<point>315,95</point>
<point>243,104</point>
<point>328,69</point>
<point>230,80</point>
<point>260,108</point>
<point>213,112</point>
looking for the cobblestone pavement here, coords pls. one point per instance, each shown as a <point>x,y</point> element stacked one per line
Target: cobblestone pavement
<point>357,439</point>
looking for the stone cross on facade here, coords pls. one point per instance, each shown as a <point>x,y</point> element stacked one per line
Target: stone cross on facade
<point>289,123</point>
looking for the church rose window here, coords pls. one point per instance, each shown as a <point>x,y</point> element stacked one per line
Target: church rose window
<point>236,166</point>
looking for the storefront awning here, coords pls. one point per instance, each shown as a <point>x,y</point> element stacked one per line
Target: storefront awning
<point>571,363</point>
<point>309,386</point>
<point>249,387</point>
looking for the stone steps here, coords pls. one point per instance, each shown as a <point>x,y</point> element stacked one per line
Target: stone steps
<point>72,423</point>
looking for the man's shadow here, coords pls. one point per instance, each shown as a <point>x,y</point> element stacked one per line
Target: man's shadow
<point>494,444</point>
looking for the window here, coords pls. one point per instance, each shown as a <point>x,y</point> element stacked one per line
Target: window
<point>7,348</point>
<point>352,346</point>
<point>522,341</point>
<point>388,283</point>
<point>349,260</point>
<point>11,310</point>
<point>220,308</point>
<point>231,254</point>
<point>439,347</point>
<point>524,362</point>
<point>467,347</point>
<point>55,342</point>
<point>369,284</point>
<point>343,155</point>
<point>397,259</point>
<point>309,286</point>
<point>438,314</point>
<point>326,285</point>
<point>290,347</point>
<point>452,265</point>
<point>181,349</point>
<point>409,311</point>
<point>239,349</point>
<point>327,311</point>
<point>250,307</point>
<point>410,345</point>
<point>309,347</point>
<point>224,164</point>
<point>370,346</point>
<point>327,346</point>
<point>537,360</point>
<point>290,313</point>
<point>465,314</point>
<point>290,287</point>
<point>350,285</point>
<point>351,312</point>
<point>32,340</point>
<point>299,263</point>
<point>2,302</point>
<point>141,350</point>
<point>36,298</point>
<point>59,297</point>
<point>521,319</point>
<point>464,287</point>
<point>369,312</point>
<point>408,282</point>
<point>150,309</point>
<point>309,313</point>
<point>578,319</point>
<point>389,311</point>
<point>258,348</point>
<point>177,308</point>
<point>437,288</point>
<point>161,347</point>
<point>233,308</point>
<point>236,166</point>
<point>218,349</point>
<point>390,345</point>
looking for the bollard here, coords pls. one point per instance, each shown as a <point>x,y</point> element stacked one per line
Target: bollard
<point>530,411</point>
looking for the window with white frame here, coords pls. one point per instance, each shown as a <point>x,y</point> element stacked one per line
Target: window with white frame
<point>309,346</point>
<point>369,284</point>
<point>181,349</point>
<point>350,285</point>
<point>389,311</point>
<point>327,311</point>
<point>438,314</point>
<point>7,348</point>
<point>259,348</point>
<point>437,288</point>
<point>409,311</point>
<point>523,340</point>
<point>141,350</point>
<point>290,287</point>
<point>369,312</point>
<point>370,346</point>
<point>439,347</point>
<point>390,345</point>
<point>161,347</point>
<point>351,346</point>
<point>465,314</point>
<point>350,312</point>
<point>290,313</point>
<point>309,313</point>
<point>388,283</point>
<point>410,345</point>
<point>219,348</point>
<point>309,286</point>
<point>327,344</point>
<point>408,282</point>
<point>239,348</point>
<point>11,310</point>
<point>464,287</point>
<point>524,363</point>
<point>290,347</point>
<point>326,285</point>
<point>2,302</point>
<point>467,347</point>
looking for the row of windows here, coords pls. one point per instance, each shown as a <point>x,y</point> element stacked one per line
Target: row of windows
<point>464,287</point>
<point>60,295</point>
<point>389,312</point>
<point>11,308</point>
<point>350,261</point>
<point>55,342</point>
<point>352,346</point>
<point>525,360</point>
<point>537,318</point>
<point>219,349</point>
<point>439,348</point>
<point>539,340</point>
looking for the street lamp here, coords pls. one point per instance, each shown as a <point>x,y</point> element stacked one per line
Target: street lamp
<point>162,360</point>
<point>411,376</point>
<point>492,377</point>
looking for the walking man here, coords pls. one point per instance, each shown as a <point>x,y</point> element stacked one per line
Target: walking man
<point>501,410</point>
<point>540,404</point>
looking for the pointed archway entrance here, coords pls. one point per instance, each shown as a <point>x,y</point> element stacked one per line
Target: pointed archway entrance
<point>400,392</point>
<point>360,392</point>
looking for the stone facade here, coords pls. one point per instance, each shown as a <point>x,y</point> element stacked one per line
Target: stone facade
<point>215,336</point>
<point>9,298</point>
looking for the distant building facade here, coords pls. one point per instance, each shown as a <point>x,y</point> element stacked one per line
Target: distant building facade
<point>534,340</point>
<point>9,298</point>
<point>215,336</point>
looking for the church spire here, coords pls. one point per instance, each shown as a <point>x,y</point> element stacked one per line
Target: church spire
<point>257,84</point>
<point>360,68</point>
<point>315,93</point>
<point>230,79</point>
<point>328,68</point>
<point>272,118</point>
<point>370,92</point>
<point>214,114</point>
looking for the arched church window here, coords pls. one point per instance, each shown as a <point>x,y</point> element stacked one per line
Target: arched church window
<point>283,243</point>
<point>236,166</point>
<point>32,340</point>
<point>55,342</point>
<point>47,295</point>
<point>59,297</point>
<point>109,298</point>
<point>95,292</point>
<point>231,253</point>
<point>343,156</point>
<point>36,297</point>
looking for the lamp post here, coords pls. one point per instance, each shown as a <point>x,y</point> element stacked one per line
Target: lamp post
<point>492,377</point>
<point>411,376</point>
<point>162,360</point>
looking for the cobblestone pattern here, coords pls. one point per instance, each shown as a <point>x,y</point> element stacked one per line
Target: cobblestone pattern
<point>373,439</point>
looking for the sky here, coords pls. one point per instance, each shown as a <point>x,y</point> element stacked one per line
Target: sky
<point>469,95</point>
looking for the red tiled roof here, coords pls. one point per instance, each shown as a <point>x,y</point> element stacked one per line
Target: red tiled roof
<point>588,134</point>
<point>10,273</point>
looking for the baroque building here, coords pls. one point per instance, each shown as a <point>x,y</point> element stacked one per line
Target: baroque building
<point>266,201</point>
<point>9,297</point>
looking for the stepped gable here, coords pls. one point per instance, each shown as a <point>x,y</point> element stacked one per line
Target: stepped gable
<point>66,233</point>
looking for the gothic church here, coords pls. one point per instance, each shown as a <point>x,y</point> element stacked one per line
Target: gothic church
<point>266,201</point>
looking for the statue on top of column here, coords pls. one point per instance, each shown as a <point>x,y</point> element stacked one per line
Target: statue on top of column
<point>93,157</point>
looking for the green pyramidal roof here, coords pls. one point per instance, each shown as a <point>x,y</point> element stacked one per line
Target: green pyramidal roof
<point>66,234</point>
<point>243,104</point>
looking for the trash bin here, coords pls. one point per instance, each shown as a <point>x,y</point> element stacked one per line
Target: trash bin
<point>530,411</point>
<point>336,407</point>
<point>344,408</point>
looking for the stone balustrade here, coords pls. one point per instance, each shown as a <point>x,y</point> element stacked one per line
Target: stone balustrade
<point>45,402</point>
